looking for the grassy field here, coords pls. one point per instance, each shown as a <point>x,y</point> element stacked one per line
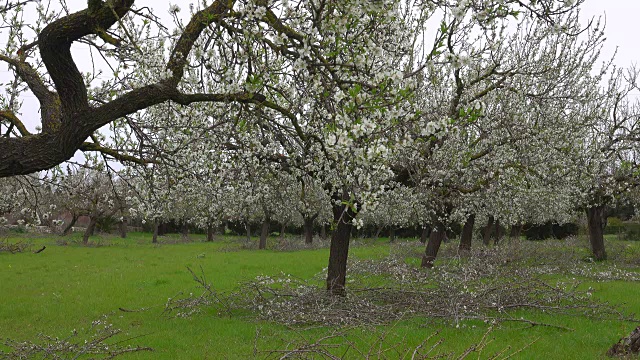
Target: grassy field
<point>67,287</point>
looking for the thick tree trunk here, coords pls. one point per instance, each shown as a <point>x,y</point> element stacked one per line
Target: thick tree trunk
<point>308,230</point>
<point>497,233</point>
<point>162,229</point>
<point>89,231</point>
<point>69,226</point>
<point>123,228</point>
<point>425,234</point>
<point>467,234</point>
<point>339,250</point>
<point>264,233</point>
<point>185,231</point>
<point>283,228</point>
<point>211,232</point>
<point>596,221</point>
<point>488,230</point>
<point>436,237</point>
<point>156,231</point>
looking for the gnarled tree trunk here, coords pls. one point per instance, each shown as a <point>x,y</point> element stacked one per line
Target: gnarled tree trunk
<point>425,234</point>
<point>436,237</point>
<point>467,234</point>
<point>488,230</point>
<point>339,250</point>
<point>89,231</point>
<point>69,226</point>
<point>596,222</point>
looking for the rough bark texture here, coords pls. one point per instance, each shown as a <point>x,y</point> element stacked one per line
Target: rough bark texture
<point>67,119</point>
<point>89,231</point>
<point>425,234</point>
<point>308,230</point>
<point>264,233</point>
<point>596,222</point>
<point>339,250</point>
<point>467,234</point>
<point>488,230</point>
<point>435,240</point>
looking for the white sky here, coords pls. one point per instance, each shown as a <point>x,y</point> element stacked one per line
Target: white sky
<point>621,18</point>
<point>622,26</point>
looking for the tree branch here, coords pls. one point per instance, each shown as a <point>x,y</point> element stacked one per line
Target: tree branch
<point>15,122</point>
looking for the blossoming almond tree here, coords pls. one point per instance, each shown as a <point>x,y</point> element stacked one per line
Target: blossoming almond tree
<point>608,161</point>
<point>509,98</point>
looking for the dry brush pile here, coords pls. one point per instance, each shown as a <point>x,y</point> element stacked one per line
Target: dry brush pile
<point>489,285</point>
<point>100,341</point>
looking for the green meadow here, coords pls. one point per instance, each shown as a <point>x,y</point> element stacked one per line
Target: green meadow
<point>67,287</point>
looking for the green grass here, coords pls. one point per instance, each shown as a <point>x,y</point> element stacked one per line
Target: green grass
<point>67,287</point>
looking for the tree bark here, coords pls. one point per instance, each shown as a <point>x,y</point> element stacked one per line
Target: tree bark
<point>467,234</point>
<point>323,231</point>
<point>123,228</point>
<point>486,236</point>
<point>89,231</point>
<point>425,234</point>
<point>162,228</point>
<point>67,117</point>
<point>283,228</point>
<point>308,230</point>
<point>264,233</point>
<point>596,222</point>
<point>497,233</point>
<point>156,230</point>
<point>339,249</point>
<point>247,226</point>
<point>435,240</point>
<point>392,234</point>
<point>69,226</point>
<point>185,231</point>
<point>211,232</point>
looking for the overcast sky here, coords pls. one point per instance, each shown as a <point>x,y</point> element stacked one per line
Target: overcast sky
<point>621,18</point>
<point>622,27</point>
